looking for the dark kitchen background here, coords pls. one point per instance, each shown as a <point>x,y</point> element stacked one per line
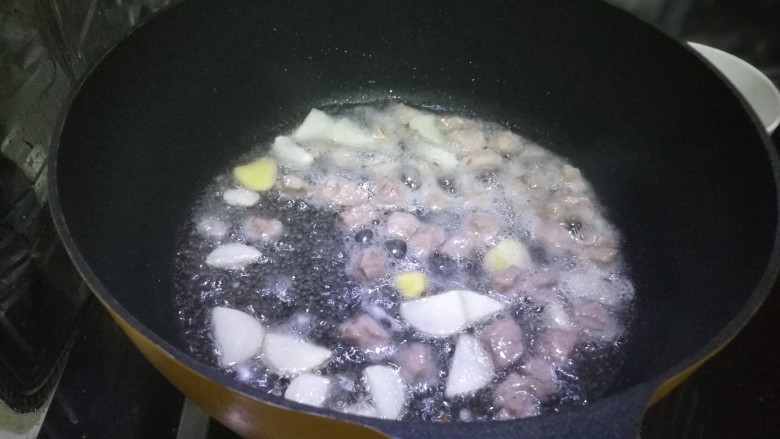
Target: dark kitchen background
<point>66,371</point>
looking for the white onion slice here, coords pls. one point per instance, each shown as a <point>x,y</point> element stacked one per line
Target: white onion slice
<point>238,335</point>
<point>233,256</point>
<point>438,315</point>
<point>319,125</point>
<point>471,368</point>
<point>437,156</point>
<point>450,312</point>
<point>308,389</point>
<point>478,306</point>
<point>290,356</point>
<point>361,409</point>
<point>289,154</point>
<point>427,126</point>
<point>241,197</point>
<point>386,389</point>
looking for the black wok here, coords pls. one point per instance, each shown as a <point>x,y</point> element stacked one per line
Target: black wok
<point>686,171</point>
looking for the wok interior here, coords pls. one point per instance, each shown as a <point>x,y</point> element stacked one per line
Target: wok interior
<point>679,165</point>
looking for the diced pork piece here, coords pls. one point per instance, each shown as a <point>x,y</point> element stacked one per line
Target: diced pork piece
<point>380,167</point>
<point>402,224</point>
<point>506,142</point>
<point>471,140</point>
<point>557,344</point>
<point>485,228</point>
<point>459,245</point>
<point>425,241</point>
<point>369,264</point>
<point>340,192</point>
<point>344,157</point>
<point>531,152</point>
<point>569,207</point>
<point>527,186</point>
<point>359,215</point>
<point>391,192</point>
<point>544,372</point>
<point>452,123</point>
<point>483,159</point>
<point>600,254</point>
<point>480,230</point>
<point>292,185</point>
<point>595,320</point>
<point>365,333</point>
<point>478,198</point>
<point>543,280</point>
<point>262,229</point>
<point>515,397</point>
<point>435,199</point>
<point>504,341</point>
<point>553,235</point>
<point>538,287</point>
<point>570,173</point>
<point>506,281</point>
<point>572,177</point>
<point>416,363</point>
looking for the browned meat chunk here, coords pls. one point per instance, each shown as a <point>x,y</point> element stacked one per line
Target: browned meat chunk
<point>504,341</point>
<point>262,229</point>
<point>506,280</point>
<point>391,192</point>
<point>369,264</point>
<point>416,363</point>
<point>402,224</point>
<point>365,333</point>
<point>425,241</point>
<point>515,396</point>
<point>557,344</point>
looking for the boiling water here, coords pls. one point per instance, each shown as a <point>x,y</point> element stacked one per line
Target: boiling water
<point>301,283</point>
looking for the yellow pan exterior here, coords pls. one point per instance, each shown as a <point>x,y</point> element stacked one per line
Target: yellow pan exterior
<point>670,384</point>
<point>248,417</point>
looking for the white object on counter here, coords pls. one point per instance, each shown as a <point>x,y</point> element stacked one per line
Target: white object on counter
<point>754,86</point>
